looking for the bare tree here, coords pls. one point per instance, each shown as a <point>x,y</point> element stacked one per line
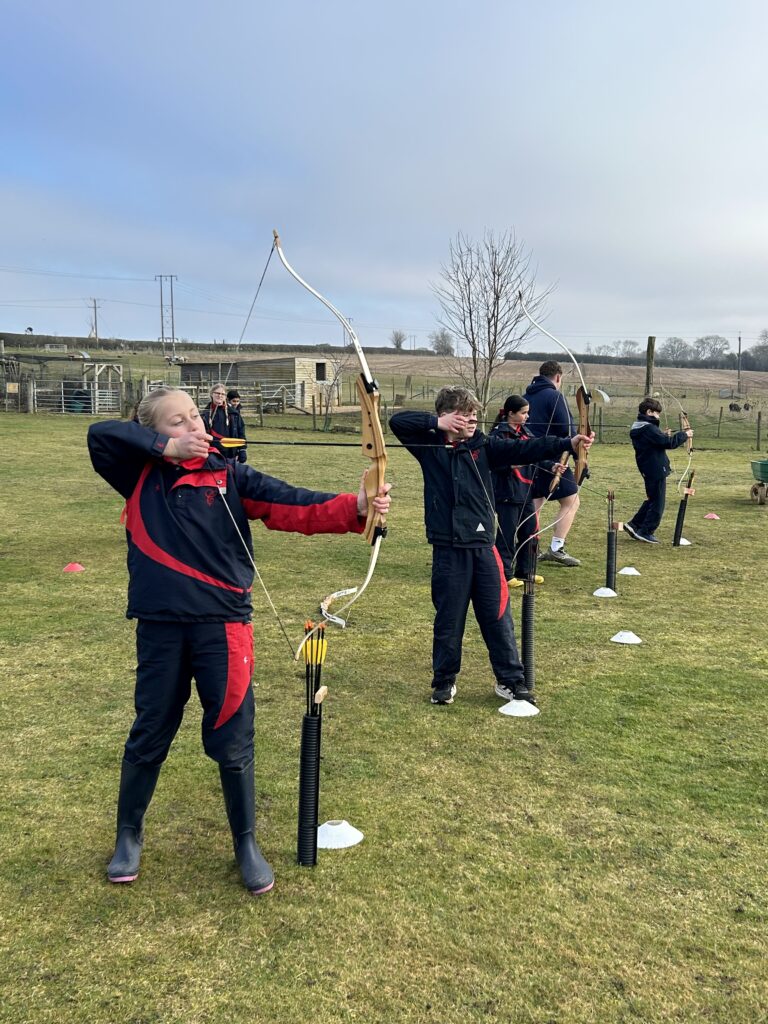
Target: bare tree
<point>629,348</point>
<point>478,295</point>
<point>441,342</point>
<point>331,388</point>
<point>711,346</point>
<point>676,350</point>
<point>398,339</point>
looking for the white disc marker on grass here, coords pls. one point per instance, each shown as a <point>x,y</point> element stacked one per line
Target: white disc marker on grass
<point>519,709</point>
<point>337,835</point>
<point>626,636</point>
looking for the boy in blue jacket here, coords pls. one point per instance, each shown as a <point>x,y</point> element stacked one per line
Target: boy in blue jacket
<point>651,444</point>
<point>190,566</point>
<point>457,462</point>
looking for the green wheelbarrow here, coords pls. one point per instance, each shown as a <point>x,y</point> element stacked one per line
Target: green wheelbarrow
<point>759,491</point>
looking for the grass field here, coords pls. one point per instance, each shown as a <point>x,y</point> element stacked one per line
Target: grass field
<point>603,862</point>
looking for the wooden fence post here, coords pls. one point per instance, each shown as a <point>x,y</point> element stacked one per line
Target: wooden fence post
<point>759,425</point>
<point>649,352</point>
<point>314,413</point>
<point>719,421</point>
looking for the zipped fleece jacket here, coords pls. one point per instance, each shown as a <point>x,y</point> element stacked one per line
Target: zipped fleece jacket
<point>651,443</point>
<point>186,562</point>
<point>549,412</point>
<point>458,485</point>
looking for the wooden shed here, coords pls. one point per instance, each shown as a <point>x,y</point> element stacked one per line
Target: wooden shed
<point>287,380</point>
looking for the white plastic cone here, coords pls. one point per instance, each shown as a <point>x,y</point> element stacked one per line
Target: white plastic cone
<point>626,636</point>
<point>630,570</point>
<point>604,592</point>
<point>519,709</point>
<point>684,543</point>
<point>337,835</point>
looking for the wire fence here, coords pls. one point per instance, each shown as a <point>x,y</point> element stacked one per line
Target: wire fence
<point>719,420</point>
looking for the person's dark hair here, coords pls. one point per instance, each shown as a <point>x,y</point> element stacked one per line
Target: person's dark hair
<point>455,399</point>
<point>514,403</point>
<point>649,405</point>
<point>550,369</point>
<point>232,393</point>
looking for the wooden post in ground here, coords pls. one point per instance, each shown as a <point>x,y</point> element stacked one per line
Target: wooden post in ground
<point>719,420</point>
<point>759,426</point>
<point>314,413</point>
<point>650,349</point>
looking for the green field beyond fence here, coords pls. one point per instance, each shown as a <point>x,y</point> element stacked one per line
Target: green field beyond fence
<point>603,862</point>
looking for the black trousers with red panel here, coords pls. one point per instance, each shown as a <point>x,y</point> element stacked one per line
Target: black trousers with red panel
<point>464,576</point>
<point>219,657</point>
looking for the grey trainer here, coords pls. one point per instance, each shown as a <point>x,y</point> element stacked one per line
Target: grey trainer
<point>561,557</point>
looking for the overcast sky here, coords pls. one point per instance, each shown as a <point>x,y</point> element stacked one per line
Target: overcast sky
<point>625,144</point>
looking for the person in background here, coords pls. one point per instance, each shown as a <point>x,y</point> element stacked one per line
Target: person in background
<point>651,444</point>
<point>233,401</point>
<point>190,566</point>
<point>224,420</point>
<point>513,489</point>
<point>550,416</point>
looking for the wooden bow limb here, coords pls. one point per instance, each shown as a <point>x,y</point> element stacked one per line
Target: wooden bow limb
<point>373,446</point>
<point>583,400</point>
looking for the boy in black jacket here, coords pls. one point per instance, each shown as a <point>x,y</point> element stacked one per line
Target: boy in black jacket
<point>457,460</point>
<point>651,443</point>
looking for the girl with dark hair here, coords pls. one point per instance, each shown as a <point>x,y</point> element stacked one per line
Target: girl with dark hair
<point>513,491</point>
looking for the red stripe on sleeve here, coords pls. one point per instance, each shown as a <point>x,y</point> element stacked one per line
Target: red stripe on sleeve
<point>338,515</point>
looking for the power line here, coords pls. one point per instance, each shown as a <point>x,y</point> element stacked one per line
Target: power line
<point>62,273</point>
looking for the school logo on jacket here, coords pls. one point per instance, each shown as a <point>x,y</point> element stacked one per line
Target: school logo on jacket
<point>210,496</point>
<point>480,528</point>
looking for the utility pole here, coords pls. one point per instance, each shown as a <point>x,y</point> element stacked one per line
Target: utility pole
<point>738,368</point>
<point>95,322</point>
<point>167,321</point>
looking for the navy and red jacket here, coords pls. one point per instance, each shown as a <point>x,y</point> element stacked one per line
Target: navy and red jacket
<point>458,485</point>
<point>513,486</point>
<point>186,562</point>
<point>223,421</point>
<point>651,443</point>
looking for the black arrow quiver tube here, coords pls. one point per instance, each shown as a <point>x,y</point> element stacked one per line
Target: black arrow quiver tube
<point>681,511</point>
<point>610,556</point>
<point>527,621</point>
<point>311,734</point>
<point>309,790</point>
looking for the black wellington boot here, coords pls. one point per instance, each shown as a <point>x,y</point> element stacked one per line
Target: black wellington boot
<point>137,784</point>
<point>239,799</point>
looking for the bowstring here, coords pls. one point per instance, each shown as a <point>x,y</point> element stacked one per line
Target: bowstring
<point>255,567</point>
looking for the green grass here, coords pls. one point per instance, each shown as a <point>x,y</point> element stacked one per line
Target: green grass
<point>603,862</point>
